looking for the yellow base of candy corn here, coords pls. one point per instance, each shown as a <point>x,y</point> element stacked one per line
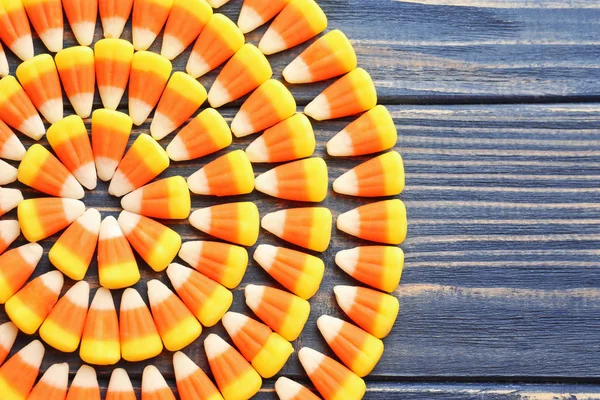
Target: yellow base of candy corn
<point>243,388</point>
<point>309,283</point>
<point>100,352</point>
<point>165,252</point>
<point>67,262</point>
<point>141,349</point>
<point>273,356</point>
<point>215,307</point>
<point>8,393</point>
<point>22,316</point>
<point>183,334</point>
<point>238,257</point>
<point>296,319</point>
<point>352,388</point>
<point>32,230</point>
<point>371,352</point>
<point>6,291</point>
<point>58,337</point>
<point>119,276</point>
<point>388,311</point>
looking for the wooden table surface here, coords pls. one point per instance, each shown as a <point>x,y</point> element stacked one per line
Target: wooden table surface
<point>496,110</point>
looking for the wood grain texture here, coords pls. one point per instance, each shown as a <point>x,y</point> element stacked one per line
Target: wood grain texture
<point>501,281</point>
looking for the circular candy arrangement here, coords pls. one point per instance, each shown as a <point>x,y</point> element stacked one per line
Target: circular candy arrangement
<point>202,292</point>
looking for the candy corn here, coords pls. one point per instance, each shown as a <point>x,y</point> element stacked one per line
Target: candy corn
<point>330,56</point>
<point>244,72</point>
<point>299,21</point>
<point>46,16</point>
<point>16,266</point>
<point>266,350</point>
<point>155,243</point>
<point>44,172</point>
<point>207,133</point>
<point>192,382</point>
<point>43,217</point>
<point>205,298</point>
<point>8,173</point>
<point>382,222</point>
<point>144,161</point>
<point>110,133</point>
<point>4,68</point>
<point>176,324</point>
<point>154,386</point>
<point>11,147</point>
<point>16,109</point>
<point>219,40</point>
<point>53,384</point>
<point>18,374</point>
<point>9,199</point>
<point>149,17</point>
<point>14,28</point>
<point>31,305</point>
<point>380,176</point>
<point>139,337</point>
<point>306,227</point>
<point>73,251</point>
<point>352,94</point>
<point>289,140</point>
<point>84,385</point>
<point>284,312</point>
<point>271,103</point>
<point>228,175</point>
<point>255,13</point>
<point>9,232</point>
<point>186,20</point>
<point>302,180</point>
<point>100,343</point>
<point>77,73</point>
<point>167,198</point>
<point>114,15</point>
<point>180,100</point>
<point>237,380</point>
<point>63,327</point>
<point>298,272</point>
<point>376,266</point>
<point>39,79</point>
<point>119,386</point>
<point>112,61</point>
<point>149,75</point>
<point>82,15</point>
<point>360,351</point>
<point>234,222</point>
<point>288,389</point>
<point>117,267</point>
<point>372,132</point>
<point>332,379</point>
<point>222,262</point>
<point>217,3</point>
<point>70,141</point>
<point>373,311</point>
<point>8,335</point>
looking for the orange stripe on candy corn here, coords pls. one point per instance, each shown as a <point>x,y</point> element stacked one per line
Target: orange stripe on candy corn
<point>234,222</point>
<point>82,15</point>
<point>382,222</point>
<point>219,40</point>
<point>192,382</point>
<point>149,17</point>
<point>299,21</point>
<point>63,327</point>
<point>114,15</point>
<point>186,21</point>
<point>16,266</point>
<point>46,16</point>
<point>167,198</point>
<point>306,227</point>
